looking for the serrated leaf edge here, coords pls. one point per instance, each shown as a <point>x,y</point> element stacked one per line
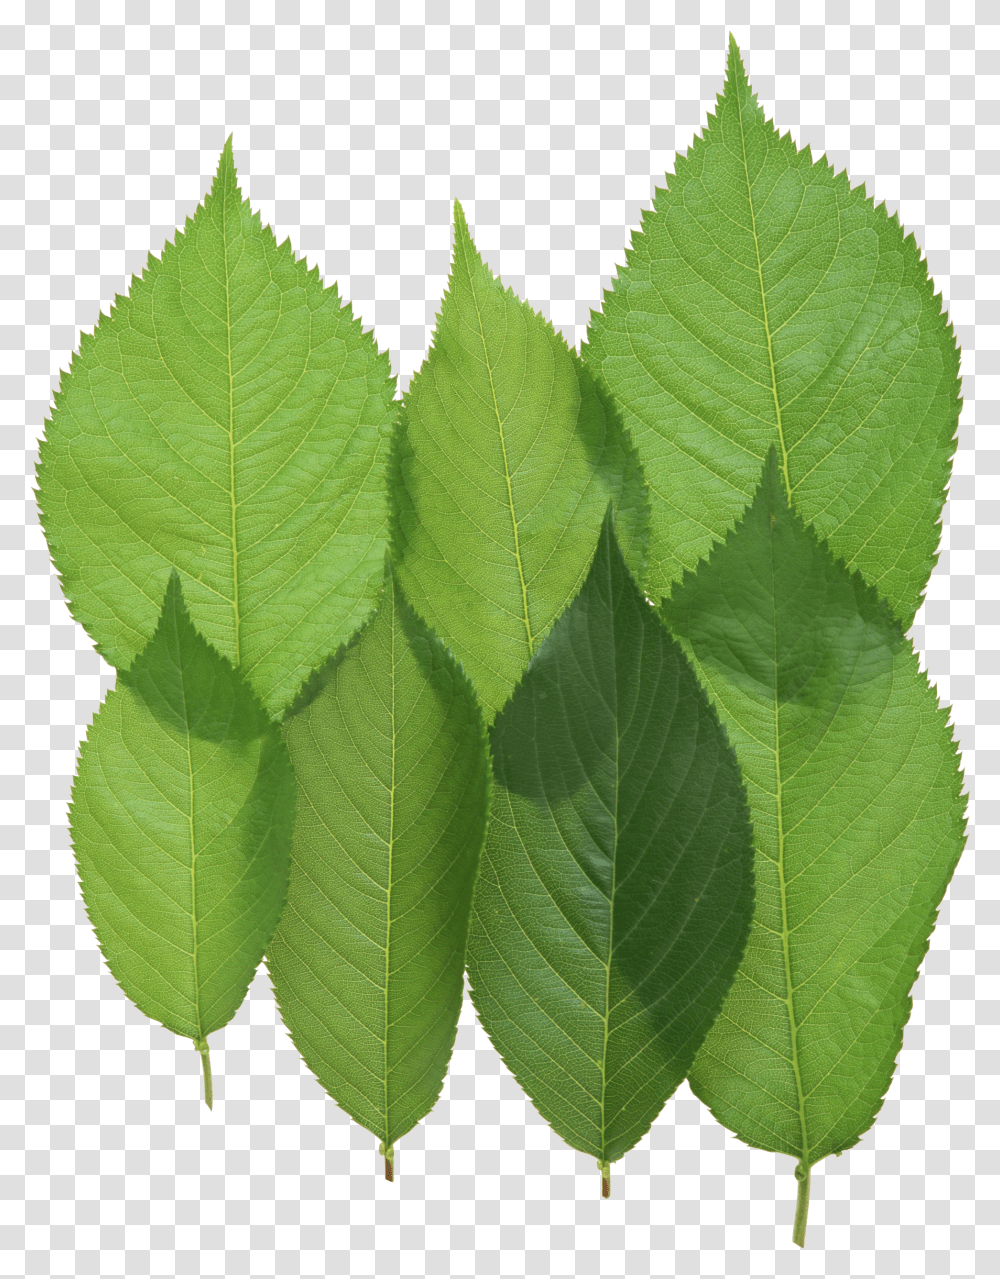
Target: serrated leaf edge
<point>114,694</point>
<point>612,302</point>
<point>871,595</point>
<point>609,518</point>
<point>312,688</point>
<point>107,322</point>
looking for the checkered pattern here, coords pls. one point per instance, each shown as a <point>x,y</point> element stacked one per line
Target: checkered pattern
<point>355,125</point>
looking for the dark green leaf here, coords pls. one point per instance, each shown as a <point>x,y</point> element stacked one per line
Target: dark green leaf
<point>616,890</point>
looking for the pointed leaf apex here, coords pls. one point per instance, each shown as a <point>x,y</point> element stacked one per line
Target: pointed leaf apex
<point>174,591</point>
<point>735,70</point>
<point>462,242</point>
<point>226,169</point>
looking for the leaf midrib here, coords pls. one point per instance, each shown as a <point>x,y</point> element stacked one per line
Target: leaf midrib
<point>763,299</point>
<point>232,439</point>
<point>194,846</point>
<point>611,910</point>
<point>782,885</point>
<point>388,884</point>
<point>506,464</point>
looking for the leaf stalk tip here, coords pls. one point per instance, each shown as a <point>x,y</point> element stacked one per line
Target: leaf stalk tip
<point>604,1167</point>
<point>390,1160</point>
<point>804,1177</point>
<point>206,1066</point>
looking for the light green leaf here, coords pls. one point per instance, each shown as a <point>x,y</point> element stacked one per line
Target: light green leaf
<point>390,754</point>
<point>854,790</point>
<point>505,457</point>
<point>181,821</point>
<point>227,418</point>
<point>616,888</point>
<point>764,302</point>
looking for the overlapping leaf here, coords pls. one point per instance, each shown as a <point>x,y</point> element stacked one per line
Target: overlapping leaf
<point>227,418</point>
<point>181,821</point>
<point>854,789</point>
<point>616,889</point>
<point>505,457</point>
<point>390,754</point>
<point>765,302</point>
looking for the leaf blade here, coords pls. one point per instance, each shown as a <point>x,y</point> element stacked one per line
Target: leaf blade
<point>228,418</point>
<point>854,791</point>
<point>765,301</point>
<point>181,821</point>
<point>390,753</point>
<point>505,456</point>
<point>609,765</point>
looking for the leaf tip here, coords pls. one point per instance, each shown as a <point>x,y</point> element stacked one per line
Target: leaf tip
<point>225,173</point>
<point>462,242</point>
<point>735,70</point>
<point>174,596</point>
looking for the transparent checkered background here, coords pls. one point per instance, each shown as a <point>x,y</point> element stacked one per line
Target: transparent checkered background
<point>355,125</point>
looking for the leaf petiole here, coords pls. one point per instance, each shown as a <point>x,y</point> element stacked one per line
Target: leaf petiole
<point>206,1065</point>
<point>804,1177</point>
<point>605,1170</point>
<point>390,1160</point>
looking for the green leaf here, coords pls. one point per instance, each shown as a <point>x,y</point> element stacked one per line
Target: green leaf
<point>181,821</point>
<point>616,888</point>
<point>227,418</point>
<point>854,789</point>
<point>393,773</point>
<point>505,457</point>
<point>765,302</point>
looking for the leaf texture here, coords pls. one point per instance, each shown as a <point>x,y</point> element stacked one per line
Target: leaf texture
<point>390,754</point>
<point>855,796</point>
<point>227,418</point>
<point>181,821</point>
<point>766,302</point>
<point>505,457</point>
<point>616,888</point>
